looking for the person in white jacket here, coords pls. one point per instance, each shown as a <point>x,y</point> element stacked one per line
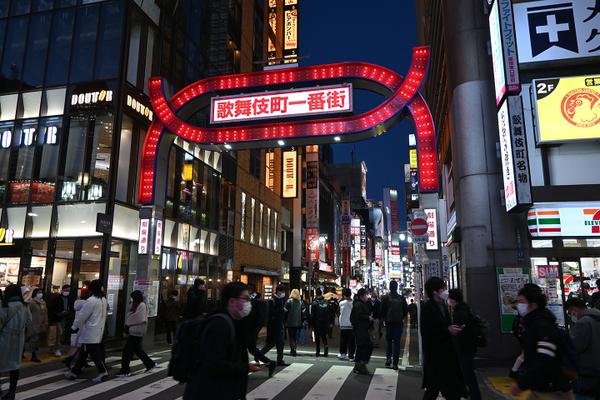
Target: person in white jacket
<point>89,324</point>
<point>347,346</point>
<point>137,324</point>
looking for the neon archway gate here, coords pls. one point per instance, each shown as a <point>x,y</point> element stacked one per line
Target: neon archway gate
<point>402,97</point>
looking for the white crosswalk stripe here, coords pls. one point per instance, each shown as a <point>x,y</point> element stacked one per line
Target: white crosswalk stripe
<point>278,382</point>
<point>383,385</point>
<point>330,383</point>
<point>149,390</point>
<point>110,384</point>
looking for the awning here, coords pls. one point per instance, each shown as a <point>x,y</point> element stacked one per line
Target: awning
<point>259,271</point>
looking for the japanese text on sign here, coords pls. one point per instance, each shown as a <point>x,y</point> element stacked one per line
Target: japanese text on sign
<point>324,100</point>
<point>144,233</point>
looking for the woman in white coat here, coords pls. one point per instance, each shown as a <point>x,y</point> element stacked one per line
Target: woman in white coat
<point>14,318</point>
<point>137,324</point>
<point>89,323</point>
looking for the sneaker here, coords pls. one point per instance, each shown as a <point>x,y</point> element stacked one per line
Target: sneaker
<point>151,368</point>
<point>70,375</point>
<point>388,363</point>
<point>102,376</point>
<point>58,353</point>
<point>342,357</point>
<point>123,374</point>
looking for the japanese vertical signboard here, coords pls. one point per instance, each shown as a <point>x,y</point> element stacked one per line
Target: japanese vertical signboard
<point>270,170</point>
<point>290,174</point>
<point>432,231</point>
<point>510,280</point>
<point>158,237</point>
<point>568,108</point>
<point>143,236</point>
<point>312,245</point>
<point>312,190</point>
<point>504,50</point>
<point>513,151</point>
<point>550,30</point>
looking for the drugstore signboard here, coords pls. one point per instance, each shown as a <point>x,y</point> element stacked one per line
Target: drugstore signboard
<point>567,108</point>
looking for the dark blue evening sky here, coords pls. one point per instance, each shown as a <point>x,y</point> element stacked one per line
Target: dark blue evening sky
<point>382,33</point>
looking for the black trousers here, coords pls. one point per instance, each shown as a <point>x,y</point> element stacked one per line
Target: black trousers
<point>321,335</point>
<point>292,335</point>
<point>468,371</point>
<point>253,349</point>
<point>347,345</point>
<point>171,330</point>
<point>133,345</point>
<point>275,337</point>
<point>96,352</point>
<point>363,352</point>
<point>13,379</point>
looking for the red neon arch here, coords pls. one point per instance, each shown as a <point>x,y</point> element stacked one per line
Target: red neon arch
<point>404,94</point>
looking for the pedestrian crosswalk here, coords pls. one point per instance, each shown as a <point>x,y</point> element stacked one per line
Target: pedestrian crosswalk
<point>308,379</point>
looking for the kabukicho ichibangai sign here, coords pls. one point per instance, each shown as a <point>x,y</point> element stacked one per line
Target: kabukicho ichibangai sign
<point>285,107</point>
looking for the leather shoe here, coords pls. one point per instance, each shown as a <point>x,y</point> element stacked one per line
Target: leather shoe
<point>271,367</point>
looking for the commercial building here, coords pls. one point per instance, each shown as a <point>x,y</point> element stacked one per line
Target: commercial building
<point>74,113</point>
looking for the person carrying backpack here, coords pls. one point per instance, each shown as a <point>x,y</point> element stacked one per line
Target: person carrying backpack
<point>465,340</point>
<point>321,318</point>
<point>585,334</point>
<point>394,309</point>
<point>544,348</point>
<point>220,370</point>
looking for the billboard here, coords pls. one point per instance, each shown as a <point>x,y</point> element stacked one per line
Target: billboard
<point>550,30</point>
<point>504,50</point>
<point>567,108</point>
<point>277,104</point>
<point>312,190</point>
<point>290,174</point>
<point>414,163</point>
<point>513,152</point>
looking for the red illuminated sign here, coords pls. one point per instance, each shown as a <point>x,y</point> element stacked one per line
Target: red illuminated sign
<point>403,92</point>
<point>291,103</point>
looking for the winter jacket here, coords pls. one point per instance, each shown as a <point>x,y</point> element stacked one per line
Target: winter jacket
<point>295,309</point>
<point>90,320</point>
<point>196,303</point>
<point>391,313</point>
<point>172,310</point>
<point>375,306</point>
<point>14,319</point>
<point>59,308</point>
<point>586,340</point>
<point>39,317</point>
<point>223,373</point>
<point>321,313</point>
<point>441,367</point>
<point>542,370</point>
<point>345,311</point>
<point>359,316</point>
<point>137,321</point>
<point>466,340</point>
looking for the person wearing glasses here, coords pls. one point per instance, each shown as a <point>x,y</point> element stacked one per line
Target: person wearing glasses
<point>223,371</point>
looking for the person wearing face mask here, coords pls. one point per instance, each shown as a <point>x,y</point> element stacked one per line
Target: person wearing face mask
<point>39,325</point>
<point>223,368</point>
<point>60,314</point>
<point>441,367</point>
<point>585,334</point>
<point>275,325</point>
<point>360,317</point>
<point>172,312</point>
<point>543,371</point>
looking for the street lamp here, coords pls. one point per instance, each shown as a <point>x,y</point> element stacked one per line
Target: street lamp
<point>403,237</point>
<point>409,240</point>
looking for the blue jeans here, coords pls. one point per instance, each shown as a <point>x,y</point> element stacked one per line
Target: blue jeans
<point>393,333</point>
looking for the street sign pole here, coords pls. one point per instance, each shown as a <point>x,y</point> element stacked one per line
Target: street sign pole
<point>418,278</point>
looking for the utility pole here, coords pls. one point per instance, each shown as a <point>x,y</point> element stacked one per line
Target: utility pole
<point>418,285</point>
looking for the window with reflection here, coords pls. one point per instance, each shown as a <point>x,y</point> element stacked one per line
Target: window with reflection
<point>14,51</point>
<point>109,40</point>
<point>84,44</point>
<point>37,47</point>
<point>60,47</point>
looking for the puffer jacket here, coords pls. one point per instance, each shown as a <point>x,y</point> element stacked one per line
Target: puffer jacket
<point>586,340</point>
<point>90,320</point>
<point>137,321</point>
<point>542,370</point>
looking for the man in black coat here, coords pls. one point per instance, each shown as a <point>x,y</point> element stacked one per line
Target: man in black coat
<point>60,315</point>
<point>254,323</point>
<point>196,300</point>
<point>441,368</point>
<point>360,317</point>
<point>393,310</point>
<point>275,325</point>
<point>223,370</point>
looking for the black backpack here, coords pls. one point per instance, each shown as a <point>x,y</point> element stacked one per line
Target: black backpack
<point>323,311</point>
<point>397,309</point>
<point>480,330</point>
<point>186,354</point>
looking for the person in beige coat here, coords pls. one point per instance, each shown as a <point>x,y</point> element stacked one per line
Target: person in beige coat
<point>15,317</point>
<point>39,325</point>
<point>137,324</point>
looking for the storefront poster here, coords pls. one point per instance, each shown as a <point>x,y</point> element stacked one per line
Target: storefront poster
<point>32,277</point>
<point>150,290</point>
<point>510,280</point>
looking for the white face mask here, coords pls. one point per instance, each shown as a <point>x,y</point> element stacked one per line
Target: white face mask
<point>39,296</point>
<point>444,295</point>
<point>522,309</point>
<point>246,310</point>
<point>281,295</point>
<point>66,294</point>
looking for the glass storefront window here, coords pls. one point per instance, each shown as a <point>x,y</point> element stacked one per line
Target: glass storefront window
<point>8,106</point>
<point>90,261</point>
<point>9,270</point>
<point>24,137</point>
<point>63,262</point>
<point>109,40</point>
<point>74,158</point>
<point>40,218</point>
<point>135,35</point>
<point>541,244</point>
<point>546,274</point>
<point>37,46</point>
<point>84,44</point>
<point>61,38</point>
<point>118,268</point>
<point>53,102</point>
<point>14,50</point>
<point>101,153</point>
<point>50,131</point>
<point>29,105</point>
